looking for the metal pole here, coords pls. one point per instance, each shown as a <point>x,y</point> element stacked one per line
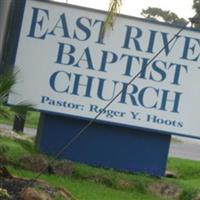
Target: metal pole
<point>19,123</point>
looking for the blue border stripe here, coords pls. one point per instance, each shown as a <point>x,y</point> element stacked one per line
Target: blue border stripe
<point>150,130</point>
<point>14,30</point>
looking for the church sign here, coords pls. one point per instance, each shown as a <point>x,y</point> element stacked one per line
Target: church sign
<point>66,67</point>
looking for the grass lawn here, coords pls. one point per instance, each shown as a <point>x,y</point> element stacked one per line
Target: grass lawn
<point>114,185</point>
<point>78,184</point>
<point>86,190</point>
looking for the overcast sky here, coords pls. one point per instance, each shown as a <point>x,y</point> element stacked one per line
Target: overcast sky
<point>183,8</point>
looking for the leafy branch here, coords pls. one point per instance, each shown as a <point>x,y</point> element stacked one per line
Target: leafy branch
<point>114,9</point>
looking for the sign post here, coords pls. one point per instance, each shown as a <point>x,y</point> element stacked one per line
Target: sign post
<point>70,74</point>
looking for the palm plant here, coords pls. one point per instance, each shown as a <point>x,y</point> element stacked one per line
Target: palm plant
<point>114,9</point>
<point>7,80</point>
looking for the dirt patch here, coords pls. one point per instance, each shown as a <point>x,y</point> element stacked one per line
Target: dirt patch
<point>14,186</point>
<point>35,163</point>
<point>22,189</point>
<point>100,180</point>
<point>164,189</point>
<point>13,135</point>
<point>62,168</point>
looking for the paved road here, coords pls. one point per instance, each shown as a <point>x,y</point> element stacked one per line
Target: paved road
<point>184,148</point>
<point>29,131</point>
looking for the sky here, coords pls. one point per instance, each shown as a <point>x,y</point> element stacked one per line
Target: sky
<point>183,8</point>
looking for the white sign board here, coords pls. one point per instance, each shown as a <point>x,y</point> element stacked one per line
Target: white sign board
<point>65,67</point>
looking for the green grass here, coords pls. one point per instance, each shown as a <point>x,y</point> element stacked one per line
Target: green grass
<point>13,149</point>
<point>185,169</point>
<point>188,173</point>
<point>81,184</point>
<point>90,183</point>
<point>112,178</point>
<point>86,190</point>
<point>32,118</point>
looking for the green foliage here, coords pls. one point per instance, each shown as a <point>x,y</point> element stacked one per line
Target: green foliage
<point>7,80</point>
<point>196,19</point>
<point>32,119</point>
<point>114,8</point>
<point>158,14</point>
<point>59,197</point>
<point>187,195</point>
<point>13,149</point>
<point>188,173</point>
<point>87,190</point>
<point>28,145</point>
<point>89,183</point>
<point>112,178</point>
<point>196,6</point>
<point>4,194</point>
<point>184,169</point>
<point>3,148</point>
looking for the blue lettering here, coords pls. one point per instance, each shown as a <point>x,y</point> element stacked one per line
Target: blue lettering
<point>53,80</point>
<point>84,28</point>
<point>178,68</point>
<point>141,96</point>
<point>86,57</point>
<point>166,42</point>
<point>129,63</point>
<point>129,37</point>
<point>131,94</point>
<point>174,101</point>
<point>87,85</point>
<point>103,88</point>
<point>62,50</point>
<point>151,41</point>
<point>36,20</point>
<point>100,38</point>
<point>157,68</point>
<point>61,25</point>
<point>105,59</point>
<point>188,47</point>
<point>44,99</point>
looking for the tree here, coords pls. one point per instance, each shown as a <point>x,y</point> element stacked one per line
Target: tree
<point>157,14</point>
<point>196,6</point>
<point>196,20</point>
